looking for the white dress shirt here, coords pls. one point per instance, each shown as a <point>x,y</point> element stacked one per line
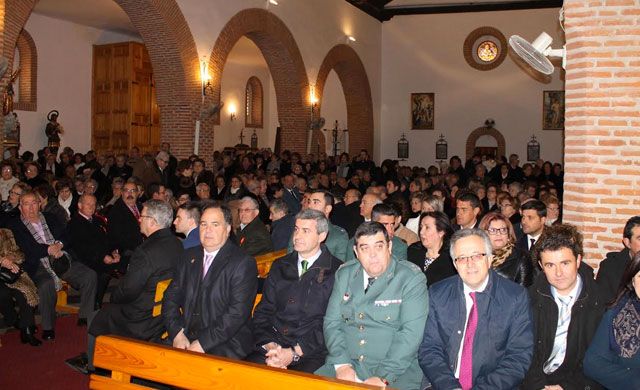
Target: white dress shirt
<point>311,260</point>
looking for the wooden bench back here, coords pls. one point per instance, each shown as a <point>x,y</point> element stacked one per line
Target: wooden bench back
<point>264,261</point>
<point>127,358</point>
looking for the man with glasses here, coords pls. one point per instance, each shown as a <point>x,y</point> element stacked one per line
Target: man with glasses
<point>253,235</point>
<point>130,312</point>
<point>479,331</point>
<point>123,226</point>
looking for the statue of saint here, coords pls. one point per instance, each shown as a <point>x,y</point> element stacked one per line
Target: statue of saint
<point>7,97</point>
<point>53,130</point>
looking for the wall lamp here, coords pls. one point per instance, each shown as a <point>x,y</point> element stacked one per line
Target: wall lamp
<point>232,112</point>
<point>205,79</point>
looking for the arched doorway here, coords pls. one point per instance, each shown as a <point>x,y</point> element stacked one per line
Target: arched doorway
<point>279,48</point>
<point>355,85</point>
<point>484,134</point>
<point>173,55</point>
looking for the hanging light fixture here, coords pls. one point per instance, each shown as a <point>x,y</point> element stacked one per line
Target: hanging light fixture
<point>441,149</point>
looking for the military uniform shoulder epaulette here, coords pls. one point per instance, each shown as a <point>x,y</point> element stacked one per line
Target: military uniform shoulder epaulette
<point>348,264</point>
<point>409,265</point>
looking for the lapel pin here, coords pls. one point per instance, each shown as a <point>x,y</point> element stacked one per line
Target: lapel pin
<point>345,297</point>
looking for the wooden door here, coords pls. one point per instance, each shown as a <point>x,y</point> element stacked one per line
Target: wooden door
<point>101,107</point>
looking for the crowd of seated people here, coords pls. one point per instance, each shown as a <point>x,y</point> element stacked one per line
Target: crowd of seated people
<point>452,276</point>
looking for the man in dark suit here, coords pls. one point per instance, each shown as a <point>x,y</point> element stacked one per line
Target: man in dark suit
<point>468,211</point>
<point>90,245</point>
<point>613,266</point>
<point>207,307</point>
<point>123,229</point>
<point>253,236</point>
<point>288,320</point>
<point>534,217</point>
<point>130,313</point>
<point>479,332</point>
<point>567,306</point>
<point>290,195</point>
<point>349,217</point>
<point>186,222</point>
<point>282,224</point>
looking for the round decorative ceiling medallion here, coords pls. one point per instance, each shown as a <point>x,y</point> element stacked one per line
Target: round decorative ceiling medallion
<point>485,48</point>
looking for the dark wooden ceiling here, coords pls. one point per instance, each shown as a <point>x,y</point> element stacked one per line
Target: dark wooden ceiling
<point>376,8</point>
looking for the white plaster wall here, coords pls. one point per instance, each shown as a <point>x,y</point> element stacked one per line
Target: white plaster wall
<point>244,61</point>
<point>64,80</point>
<point>423,53</point>
<point>334,108</point>
<point>317,26</point>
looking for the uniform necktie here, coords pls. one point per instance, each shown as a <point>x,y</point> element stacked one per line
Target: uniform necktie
<point>206,263</point>
<point>369,284</point>
<point>466,361</point>
<point>533,241</point>
<point>305,267</point>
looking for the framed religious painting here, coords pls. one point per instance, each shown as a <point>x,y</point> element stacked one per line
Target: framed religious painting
<point>553,110</point>
<point>422,111</point>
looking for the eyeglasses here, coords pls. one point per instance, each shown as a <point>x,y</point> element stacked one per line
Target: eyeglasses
<point>505,205</point>
<point>146,216</point>
<point>472,258</point>
<point>130,191</point>
<point>494,231</point>
<point>12,192</point>
<point>245,210</point>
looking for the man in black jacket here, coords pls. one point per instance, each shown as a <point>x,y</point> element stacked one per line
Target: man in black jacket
<point>130,313</point>
<point>288,320</point>
<point>613,266</point>
<point>88,238</point>
<point>207,307</point>
<point>567,307</point>
<point>123,229</point>
<point>253,235</point>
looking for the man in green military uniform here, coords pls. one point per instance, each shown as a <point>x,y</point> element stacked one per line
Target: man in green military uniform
<point>338,240</point>
<point>376,315</point>
<point>387,216</point>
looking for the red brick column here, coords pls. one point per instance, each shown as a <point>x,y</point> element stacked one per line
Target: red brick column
<point>602,136</point>
<point>355,84</point>
<point>283,57</point>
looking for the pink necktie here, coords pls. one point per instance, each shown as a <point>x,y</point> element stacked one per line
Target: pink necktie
<point>206,263</point>
<point>466,361</point>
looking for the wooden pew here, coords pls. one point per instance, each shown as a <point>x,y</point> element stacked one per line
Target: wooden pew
<point>62,304</point>
<point>264,261</point>
<point>127,358</point>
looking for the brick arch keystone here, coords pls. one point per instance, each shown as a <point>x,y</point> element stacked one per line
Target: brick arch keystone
<point>479,132</point>
<point>173,55</point>
<point>285,63</point>
<point>355,84</point>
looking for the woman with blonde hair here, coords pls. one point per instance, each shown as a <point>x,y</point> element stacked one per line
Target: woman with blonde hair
<point>508,261</point>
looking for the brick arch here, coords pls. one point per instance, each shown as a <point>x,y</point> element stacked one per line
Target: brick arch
<point>357,91</point>
<point>173,55</point>
<point>256,102</point>
<point>28,78</point>
<point>280,51</point>
<point>479,132</point>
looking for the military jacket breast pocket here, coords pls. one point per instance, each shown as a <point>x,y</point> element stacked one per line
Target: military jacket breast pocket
<point>388,314</point>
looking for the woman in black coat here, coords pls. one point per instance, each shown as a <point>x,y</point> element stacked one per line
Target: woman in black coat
<point>508,261</point>
<point>431,253</point>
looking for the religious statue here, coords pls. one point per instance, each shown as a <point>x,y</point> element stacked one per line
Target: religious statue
<point>7,97</point>
<point>53,130</point>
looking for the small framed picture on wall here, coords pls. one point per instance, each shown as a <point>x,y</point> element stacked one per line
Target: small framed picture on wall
<point>553,110</point>
<point>422,111</point>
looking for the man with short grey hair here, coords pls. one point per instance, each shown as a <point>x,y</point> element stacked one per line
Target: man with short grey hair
<point>130,313</point>
<point>288,320</point>
<point>162,168</point>
<point>479,331</point>
<point>252,236</point>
